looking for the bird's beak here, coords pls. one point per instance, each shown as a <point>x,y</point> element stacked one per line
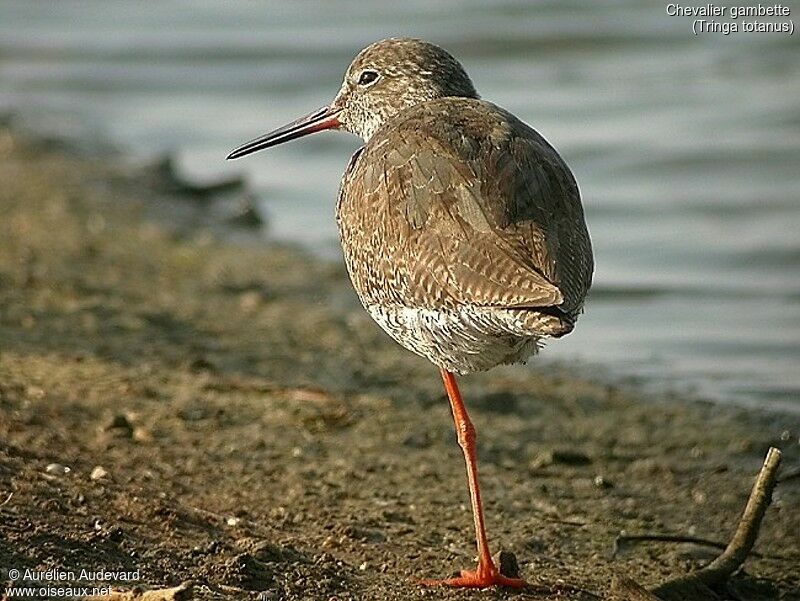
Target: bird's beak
<point>319,120</point>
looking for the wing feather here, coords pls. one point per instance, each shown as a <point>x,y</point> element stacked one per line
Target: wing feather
<point>473,207</point>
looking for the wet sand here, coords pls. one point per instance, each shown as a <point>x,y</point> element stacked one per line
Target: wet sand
<point>230,417</point>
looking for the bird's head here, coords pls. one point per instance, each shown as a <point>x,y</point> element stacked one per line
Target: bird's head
<point>391,75</point>
<point>384,79</point>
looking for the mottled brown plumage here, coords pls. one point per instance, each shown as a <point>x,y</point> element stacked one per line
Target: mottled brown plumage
<point>462,228</point>
<point>456,203</point>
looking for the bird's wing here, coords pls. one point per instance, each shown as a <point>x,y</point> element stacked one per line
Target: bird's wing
<point>544,216</point>
<point>480,220</point>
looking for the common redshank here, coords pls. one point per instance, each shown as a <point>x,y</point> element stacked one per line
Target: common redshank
<point>462,228</point>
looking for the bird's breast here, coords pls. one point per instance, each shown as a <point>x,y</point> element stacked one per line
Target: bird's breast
<point>372,238</point>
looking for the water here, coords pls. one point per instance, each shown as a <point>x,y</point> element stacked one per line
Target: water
<point>687,148</point>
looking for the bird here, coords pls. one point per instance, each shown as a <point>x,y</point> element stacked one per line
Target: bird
<point>462,228</point>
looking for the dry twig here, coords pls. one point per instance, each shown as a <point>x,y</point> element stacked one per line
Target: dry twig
<point>700,584</point>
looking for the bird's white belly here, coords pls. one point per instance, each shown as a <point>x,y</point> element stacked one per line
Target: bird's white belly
<point>463,340</point>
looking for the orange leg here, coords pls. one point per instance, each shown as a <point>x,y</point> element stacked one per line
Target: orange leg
<point>487,573</point>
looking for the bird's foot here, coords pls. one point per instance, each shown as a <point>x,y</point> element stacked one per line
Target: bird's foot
<point>483,577</point>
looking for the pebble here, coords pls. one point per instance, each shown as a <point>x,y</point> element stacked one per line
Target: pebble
<point>141,434</point>
<point>507,563</point>
<point>98,473</point>
<point>56,469</point>
<point>119,425</point>
<point>562,457</point>
<point>601,482</point>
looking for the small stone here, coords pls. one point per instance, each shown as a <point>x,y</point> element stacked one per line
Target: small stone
<point>141,434</point>
<point>507,564</point>
<point>233,521</point>
<point>56,469</point>
<point>363,567</point>
<point>98,473</point>
<point>563,457</point>
<point>119,425</point>
<point>570,457</point>
<point>601,482</point>
<point>115,534</point>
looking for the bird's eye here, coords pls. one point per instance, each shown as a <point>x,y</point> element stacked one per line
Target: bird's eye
<point>367,77</point>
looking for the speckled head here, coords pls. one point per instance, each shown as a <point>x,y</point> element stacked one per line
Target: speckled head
<point>384,79</point>
<point>391,75</point>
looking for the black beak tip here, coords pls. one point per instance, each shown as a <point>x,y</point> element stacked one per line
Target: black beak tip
<point>322,118</point>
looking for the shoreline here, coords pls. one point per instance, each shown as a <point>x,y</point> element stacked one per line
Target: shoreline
<point>250,450</point>
<point>228,210</point>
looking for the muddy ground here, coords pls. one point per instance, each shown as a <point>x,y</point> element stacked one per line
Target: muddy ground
<point>230,417</point>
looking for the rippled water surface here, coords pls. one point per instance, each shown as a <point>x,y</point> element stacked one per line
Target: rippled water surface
<point>686,148</point>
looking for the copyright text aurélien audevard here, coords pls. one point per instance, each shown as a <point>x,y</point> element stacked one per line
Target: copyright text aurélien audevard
<point>37,584</point>
<point>724,19</point>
